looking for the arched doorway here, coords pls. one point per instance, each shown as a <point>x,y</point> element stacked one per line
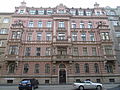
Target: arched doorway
<point>62,74</point>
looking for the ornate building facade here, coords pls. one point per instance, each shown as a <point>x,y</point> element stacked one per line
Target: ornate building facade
<point>60,45</point>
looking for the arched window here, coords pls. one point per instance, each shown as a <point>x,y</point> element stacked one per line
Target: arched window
<point>86,67</point>
<point>77,68</point>
<point>112,13</point>
<point>47,68</point>
<point>11,68</point>
<point>62,66</point>
<point>26,68</point>
<point>96,67</point>
<point>37,68</point>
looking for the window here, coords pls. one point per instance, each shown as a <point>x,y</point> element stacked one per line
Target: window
<point>88,13</point>
<point>73,25</point>
<point>77,68</point>
<point>98,13</point>
<point>85,51</point>
<point>6,20</point>
<point>41,12</point>
<point>117,34</point>
<point>37,68</point>
<point>21,11</point>
<point>40,24</point>
<point>61,24</point>
<point>94,53</point>
<point>112,13</point>
<point>109,68</point>
<point>47,68</point>
<point>13,50</point>
<point>105,36</point>
<point>61,11</point>
<point>39,36</point>
<point>83,36</point>
<point>112,80</point>
<point>31,24</point>
<point>28,50</point>
<point>98,80</point>
<point>82,25</point>
<point>49,12</point>
<point>48,51</point>
<point>61,36</point>
<point>92,38</point>
<point>16,35</point>
<point>96,67</point>
<point>48,36</point>
<point>86,67</point>
<point>32,12</point>
<point>49,24</point>
<point>29,37</point>
<point>89,24</point>
<point>11,68</point>
<point>81,12</point>
<point>38,49</point>
<point>3,31</point>
<point>73,12</point>
<point>62,51</point>
<point>1,43</point>
<point>47,81</point>
<point>115,23</point>
<point>9,81</point>
<point>74,36</point>
<point>108,50</point>
<point>26,68</point>
<point>75,51</point>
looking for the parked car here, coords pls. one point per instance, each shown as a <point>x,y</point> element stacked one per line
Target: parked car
<point>28,84</point>
<point>87,85</point>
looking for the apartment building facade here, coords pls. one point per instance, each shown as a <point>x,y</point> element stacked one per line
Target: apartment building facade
<point>5,20</point>
<point>60,45</point>
<point>114,23</point>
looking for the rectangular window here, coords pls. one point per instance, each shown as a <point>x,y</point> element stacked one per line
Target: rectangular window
<point>29,37</point>
<point>39,36</point>
<point>16,35</point>
<point>61,25</point>
<point>85,53</point>
<point>41,12</point>
<point>92,38</point>
<point>21,11</point>
<point>74,36</point>
<point>75,51</point>
<point>112,80</point>
<point>108,50</point>
<point>94,53</point>
<point>98,80</point>
<point>1,43</point>
<point>40,24</point>
<point>49,12</point>
<point>49,24</point>
<point>13,50</point>
<point>81,13</point>
<point>38,50</point>
<point>6,20</point>
<point>73,12</point>
<point>31,24</point>
<point>9,81</point>
<point>82,25</point>
<point>73,25</point>
<point>115,23</point>
<point>48,51</point>
<point>61,36</point>
<point>88,13</point>
<point>83,36</point>
<point>3,31</point>
<point>27,51</point>
<point>48,37</point>
<point>89,25</point>
<point>32,12</point>
<point>105,36</point>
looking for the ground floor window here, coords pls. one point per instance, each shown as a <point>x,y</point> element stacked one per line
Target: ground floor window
<point>98,80</point>
<point>46,81</point>
<point>9,81</point>
<point>112,80</point>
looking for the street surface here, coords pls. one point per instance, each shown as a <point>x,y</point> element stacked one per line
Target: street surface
<point>61,87</point>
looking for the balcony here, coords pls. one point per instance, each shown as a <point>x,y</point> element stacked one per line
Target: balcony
<point>62,57</point>
<point>11,57</point>
<point>110,57</point>
<point>14,40</point>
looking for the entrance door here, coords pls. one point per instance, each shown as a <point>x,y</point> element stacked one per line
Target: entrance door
<point>62,76</point>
